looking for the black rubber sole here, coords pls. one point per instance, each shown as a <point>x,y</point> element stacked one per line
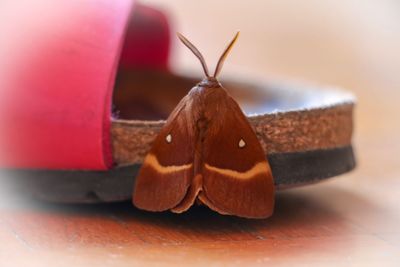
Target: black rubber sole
<point>289,170</point>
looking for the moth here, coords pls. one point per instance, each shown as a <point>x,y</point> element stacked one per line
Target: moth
<point>207,153</point>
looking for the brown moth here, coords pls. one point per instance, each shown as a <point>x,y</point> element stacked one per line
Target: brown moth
<point>207,151</point>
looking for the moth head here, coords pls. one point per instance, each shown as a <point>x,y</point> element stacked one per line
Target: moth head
<point>197,53</point>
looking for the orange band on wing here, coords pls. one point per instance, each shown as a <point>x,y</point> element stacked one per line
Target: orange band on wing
<point>259,168</point>
<point>152,161</point>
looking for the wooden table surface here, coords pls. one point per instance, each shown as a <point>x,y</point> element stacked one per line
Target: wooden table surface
<point>352,220</point>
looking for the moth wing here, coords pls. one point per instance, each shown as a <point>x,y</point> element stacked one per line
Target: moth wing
<point>237,178</point>
<point>167,170</point>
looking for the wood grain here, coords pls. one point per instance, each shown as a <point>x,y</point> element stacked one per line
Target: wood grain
<point>349,221</point>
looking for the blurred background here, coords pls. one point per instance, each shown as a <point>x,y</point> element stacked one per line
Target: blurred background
<point>351,220</point>
<point>352,44</point>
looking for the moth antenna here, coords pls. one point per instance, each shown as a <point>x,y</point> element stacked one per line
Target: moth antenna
<point>195,51</point>
<point>224,55</point>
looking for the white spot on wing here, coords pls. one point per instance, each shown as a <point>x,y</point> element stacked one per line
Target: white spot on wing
<point>168,138</point>
<point>242,143</point>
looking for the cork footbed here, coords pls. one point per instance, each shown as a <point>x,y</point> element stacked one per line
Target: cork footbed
<point>286,118</point>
